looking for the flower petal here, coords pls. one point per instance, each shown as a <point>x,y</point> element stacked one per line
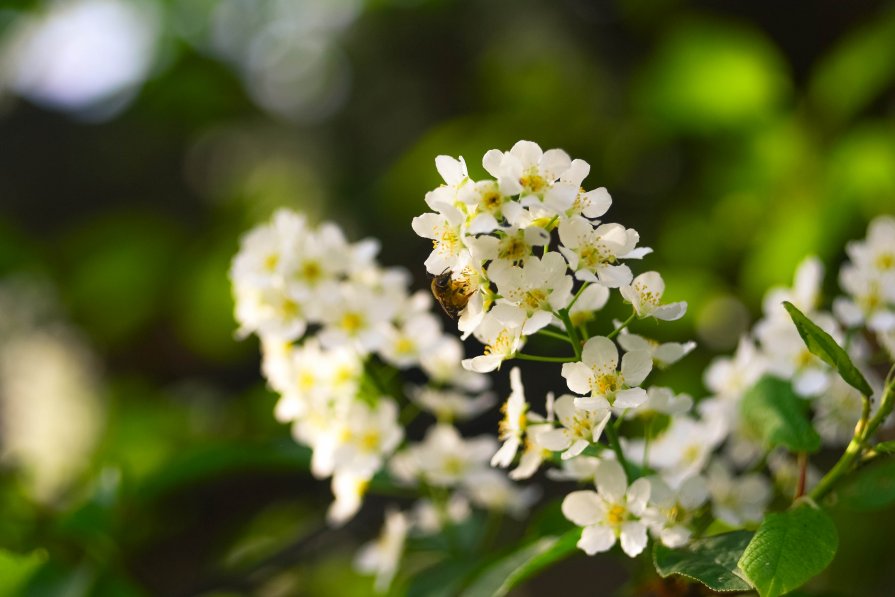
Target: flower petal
<point>583,507</point>
<point>596,539</point>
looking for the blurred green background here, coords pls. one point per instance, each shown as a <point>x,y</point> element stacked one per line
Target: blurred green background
<point>140,138</point>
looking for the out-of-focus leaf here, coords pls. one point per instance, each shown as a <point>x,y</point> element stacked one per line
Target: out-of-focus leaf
<point>205,307</point>
<point>708,75</point>
<point>854,73</point>
<point>778,416</point>
<point>824,346</point>
<point>711,561</point>
<point>871,488</point>
<point>121,267</point>
<point>511,570</point>
<point>444,579</point>
<point>885,447</point>
<point>17,569</point>
<point>789,549</point>
<point>861,170</point>
<point>212,459</point>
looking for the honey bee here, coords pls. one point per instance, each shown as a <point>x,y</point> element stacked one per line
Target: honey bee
<point>451,294</point>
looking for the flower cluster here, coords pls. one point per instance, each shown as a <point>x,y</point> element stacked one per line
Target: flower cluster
<point>537,259</point>
<point>863,316</point>
<point>496,237</point>
<point>336,329</point>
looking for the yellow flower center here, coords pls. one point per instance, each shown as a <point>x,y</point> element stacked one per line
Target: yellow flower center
<point>369,441</point>
<point>885,261</point>
<point>271,262</point>
<point>352,323</point>
<point>607,383</point>
<point>616,515</point>
<point>533,182</point>
<point>512,248</point>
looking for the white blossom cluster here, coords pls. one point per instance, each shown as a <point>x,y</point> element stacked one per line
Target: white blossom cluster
<point>496,237</point>
<point>335,329</point>
<point>862,320</point>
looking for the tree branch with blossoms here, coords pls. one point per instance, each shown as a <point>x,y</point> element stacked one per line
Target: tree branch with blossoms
<point>524,252</point>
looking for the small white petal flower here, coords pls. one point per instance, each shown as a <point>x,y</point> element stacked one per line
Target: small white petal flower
<point>611,513</point>
<point>580,427</point>
<point>737,500</point>
<point>645,294</point>
<point>596,374</point>
<point>664,354</point>
<point>512,424</point>
<point>501,342</point>
<point>593,252</point>
<point>381,557</point>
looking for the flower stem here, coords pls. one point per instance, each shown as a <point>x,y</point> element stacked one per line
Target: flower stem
<point>552,334</point>
<point>563,314</point>
<point>543,359</point>
<point>863,430</point>
<point>803,474</point>
<point>624,324</point>
<point>612,436</point>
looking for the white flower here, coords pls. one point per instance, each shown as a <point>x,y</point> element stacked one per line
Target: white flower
<point>663,355</point>
<point>487,206</point>
<point>445,229</point>
<point>593,252</point>
<point>266,252</point>
<point>430,517</point>
<point>671,510</point>
<point>531,293</point>
<point>534,175</point>
<point>592,299</point>
<point>665,401</point>
<point>877,252</point>
<point>580,469</point>
<point>349,489</point>
<point>444,458</point>
<point>804,294</point>
<point>789,358</point>
<point>611,513</point>
<point>645,294</point>
<point>501,343</point>
<point>591,204</point>
<point>737,500</point>
<point>512,424</point>
<point>534,452</point>
<point>513,245</point>
<point>441,362</point>
<point>580,427</point>
<point>596,374</point>
<point>837,410</point>
<point>404,345</point>
<point>684,448</point>
<point>271,311</point>
<point>358,318</point>
<point>366,435</point>
<point>450,405</point>
<point>381,557</point>
<point>729,378</point>
<point>490,489</point>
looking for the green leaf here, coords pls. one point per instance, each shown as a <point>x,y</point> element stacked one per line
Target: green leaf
<point>511,570</point>
<point>16,570</point>
<point>822,344</point>
<point>870,488</point>
<point>789,549</point>
<point>711,561</point>
<point>444,579</point>
<point>778,416</point>
<point>885,447</point>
